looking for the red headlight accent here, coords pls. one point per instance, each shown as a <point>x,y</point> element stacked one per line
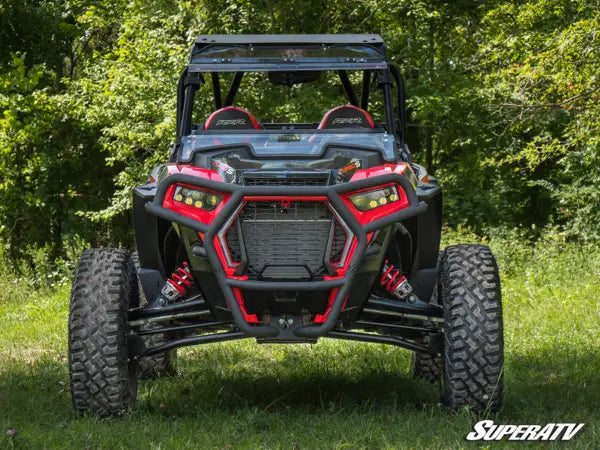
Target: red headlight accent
<point>378,212</point>
<point>191,211</point>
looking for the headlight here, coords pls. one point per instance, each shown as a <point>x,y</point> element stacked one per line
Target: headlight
<point>373,199</point>
<point>197,198</point>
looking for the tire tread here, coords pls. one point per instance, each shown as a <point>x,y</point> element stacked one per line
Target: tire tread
<point>100,371</point>
<point>470,293</point>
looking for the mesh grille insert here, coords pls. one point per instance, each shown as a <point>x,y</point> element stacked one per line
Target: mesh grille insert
<point>286,242</point>
<point>272,180</point>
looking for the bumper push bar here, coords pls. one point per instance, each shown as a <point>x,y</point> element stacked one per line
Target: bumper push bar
<point>238,193</point>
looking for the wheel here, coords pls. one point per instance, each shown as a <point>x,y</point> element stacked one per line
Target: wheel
<point>473,355</point>
<point>161,364</point>
<point>103,377</point>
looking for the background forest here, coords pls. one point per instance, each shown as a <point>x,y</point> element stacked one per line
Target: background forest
<point>503,99</point>
<point>504,107</point>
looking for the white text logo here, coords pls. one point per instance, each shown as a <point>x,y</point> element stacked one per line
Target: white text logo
<point>489,431</point>
<point>231,122</point>
<point>347,120</point>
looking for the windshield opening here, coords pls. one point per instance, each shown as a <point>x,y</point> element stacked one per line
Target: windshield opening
<point>304,103</point>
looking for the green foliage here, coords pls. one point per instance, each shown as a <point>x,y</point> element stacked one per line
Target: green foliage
<point>541,78</point>
<point>44,164</point>
<point>502,97</point>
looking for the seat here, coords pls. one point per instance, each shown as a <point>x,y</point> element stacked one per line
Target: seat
<point>346,116</point>
<point>231,118</point>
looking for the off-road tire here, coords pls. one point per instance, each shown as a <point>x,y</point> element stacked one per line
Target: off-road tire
<point>425,365</point>
<point>469,291</point>
<point>103,377</point>
<point>161,364</point>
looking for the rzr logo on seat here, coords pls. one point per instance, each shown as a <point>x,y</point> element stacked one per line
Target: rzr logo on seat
<point>228,122</point>
<point>344,120</point>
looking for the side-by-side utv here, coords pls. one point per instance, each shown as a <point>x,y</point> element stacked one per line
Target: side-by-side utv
<point>287,233</point>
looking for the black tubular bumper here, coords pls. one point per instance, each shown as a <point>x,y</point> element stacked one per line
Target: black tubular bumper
<point>237,195</point>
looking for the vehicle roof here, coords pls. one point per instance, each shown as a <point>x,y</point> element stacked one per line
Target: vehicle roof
<point>363,52</point>
<point>271,39</point>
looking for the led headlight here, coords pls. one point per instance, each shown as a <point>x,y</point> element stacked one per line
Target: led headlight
<point>372,199</point>
<point>197,198</point>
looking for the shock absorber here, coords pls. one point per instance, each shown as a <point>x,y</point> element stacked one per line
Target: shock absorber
<point>177,284</point>
<point>394,282</point>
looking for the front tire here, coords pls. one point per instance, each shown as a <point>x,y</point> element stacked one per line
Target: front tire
<point>103,377</point>
<point>469,290</point>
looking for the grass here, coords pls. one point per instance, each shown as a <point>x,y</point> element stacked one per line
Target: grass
<point>330,395</point>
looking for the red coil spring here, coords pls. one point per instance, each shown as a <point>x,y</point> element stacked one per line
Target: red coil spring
<point>391,278</point>
<point>181,279</point>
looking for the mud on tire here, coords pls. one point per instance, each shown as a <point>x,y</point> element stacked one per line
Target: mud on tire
<point>469,291</point>
<point>103,378</point>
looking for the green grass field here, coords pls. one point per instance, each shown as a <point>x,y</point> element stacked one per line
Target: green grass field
<point>330,395</point>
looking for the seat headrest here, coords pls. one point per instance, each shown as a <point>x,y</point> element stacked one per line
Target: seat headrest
<point>347,116</point>
<point>231,118</point>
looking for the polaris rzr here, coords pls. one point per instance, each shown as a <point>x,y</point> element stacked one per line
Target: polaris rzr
<point>287,233</point>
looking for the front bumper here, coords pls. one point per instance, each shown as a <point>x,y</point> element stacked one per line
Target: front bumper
<point>237,195</point>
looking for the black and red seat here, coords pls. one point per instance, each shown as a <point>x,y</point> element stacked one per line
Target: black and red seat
<point>346,116</point>
<point>236,118</point>
<point>231,118</point>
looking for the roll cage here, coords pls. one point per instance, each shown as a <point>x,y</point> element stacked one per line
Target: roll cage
<point>293,54</point>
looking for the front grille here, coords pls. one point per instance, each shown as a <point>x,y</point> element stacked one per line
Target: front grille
<point>285,241</point>
<point>285,179</point>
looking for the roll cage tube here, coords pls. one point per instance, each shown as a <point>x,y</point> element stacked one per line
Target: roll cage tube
<point>366,87</point>
<point>235,85</point>
<point>188,85</point>
<point>401,103</point>
<point>180,96</point>
<point>385,83</point>
<point>216,83</point>
<point>348,87</point>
